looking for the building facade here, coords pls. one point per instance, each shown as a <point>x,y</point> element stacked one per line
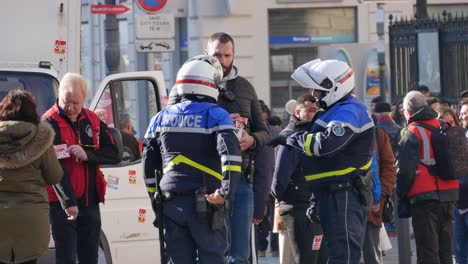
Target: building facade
<point>272,37</point>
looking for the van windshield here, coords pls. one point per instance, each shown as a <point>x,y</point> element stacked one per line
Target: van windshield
<point>42,86</point>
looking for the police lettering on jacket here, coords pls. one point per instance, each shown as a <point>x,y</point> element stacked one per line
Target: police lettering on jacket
<point>193,144</point>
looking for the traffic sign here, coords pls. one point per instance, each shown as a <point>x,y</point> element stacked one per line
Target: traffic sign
<point>109,9</point>
<point>155,26</point>
<point>151,6</point>
<point>155,45</point>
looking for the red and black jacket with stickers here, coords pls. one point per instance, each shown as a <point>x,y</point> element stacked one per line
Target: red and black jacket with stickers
<point>82,181</point>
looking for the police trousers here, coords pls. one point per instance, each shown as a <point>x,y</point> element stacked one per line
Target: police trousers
<point>187,239</point>
<point>343,218</point>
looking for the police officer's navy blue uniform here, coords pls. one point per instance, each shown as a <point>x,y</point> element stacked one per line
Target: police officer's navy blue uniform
<point>194,144</point>
<point>340,146</point>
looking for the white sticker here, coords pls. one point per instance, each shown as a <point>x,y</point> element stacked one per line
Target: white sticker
<point>317,242</point>
<point>113,182</point>
<point>61,151</point>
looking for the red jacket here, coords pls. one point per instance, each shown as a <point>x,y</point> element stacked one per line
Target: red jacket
<point>78,172</point>
<point>424,181</point>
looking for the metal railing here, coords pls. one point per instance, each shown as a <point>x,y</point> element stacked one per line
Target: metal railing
<point>453,54</point>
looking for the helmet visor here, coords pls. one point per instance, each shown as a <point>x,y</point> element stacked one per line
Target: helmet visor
<point>319,79</point>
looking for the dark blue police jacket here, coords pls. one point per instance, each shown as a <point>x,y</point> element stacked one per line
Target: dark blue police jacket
<point>339,143</point>
<point>194,145</point>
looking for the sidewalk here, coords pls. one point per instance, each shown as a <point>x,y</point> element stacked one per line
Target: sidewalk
<point>391,257</point>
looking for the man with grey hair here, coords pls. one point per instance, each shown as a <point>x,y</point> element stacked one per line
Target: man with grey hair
<point>85,142</point>
<point>431,199</point>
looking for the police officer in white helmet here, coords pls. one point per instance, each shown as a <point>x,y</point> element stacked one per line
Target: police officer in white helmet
<point>193,143</point>
<point>339,144</point>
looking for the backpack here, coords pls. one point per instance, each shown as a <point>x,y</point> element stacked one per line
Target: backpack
<point>450,151</point>
<point>393,137</point>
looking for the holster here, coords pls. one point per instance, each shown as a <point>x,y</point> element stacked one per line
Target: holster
<point>218,217</point>
<point>249,170</point>
<point>362,182</point>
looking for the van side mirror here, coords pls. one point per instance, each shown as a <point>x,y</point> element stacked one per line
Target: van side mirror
<point>118,141</point>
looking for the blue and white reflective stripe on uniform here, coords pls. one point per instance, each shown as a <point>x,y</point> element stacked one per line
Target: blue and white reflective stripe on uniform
<point>225,158</point>
<point>317,145</point>
<point>194,129</point>
<point>344,124</point>
<point>426,148</point>
<point>150,180</point>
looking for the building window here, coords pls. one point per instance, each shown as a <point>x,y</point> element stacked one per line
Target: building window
<point>294,39</point>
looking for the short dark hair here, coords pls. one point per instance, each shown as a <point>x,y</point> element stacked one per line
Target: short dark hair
<point>264,107</point>
<point>378,99</point>
<point>304,98</point>
<point>432,100</point>
<point>423,89</point>
<point>222,38</point>
<point>19,105</point>
<point>462,102</point>
<point>463,94</point>
<point>274,121</point>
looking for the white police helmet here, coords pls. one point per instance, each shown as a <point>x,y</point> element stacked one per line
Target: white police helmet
<point>333,77</point>
<point>200,75</point>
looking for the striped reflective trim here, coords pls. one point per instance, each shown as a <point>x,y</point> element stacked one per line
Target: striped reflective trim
<point>337,172</point>
<point>353,128</point>
<point>231,168</point>
<point>225,158</point>
<point>317,145</point>
<point>307,144</point>
<point>150,135</point>
<point>150,180</point>
<point>194,129</point>
<point>209,84</point>
<point>345,76</point>
<point>426,147</point>
<point>182,159</point>
<point>151,189</point>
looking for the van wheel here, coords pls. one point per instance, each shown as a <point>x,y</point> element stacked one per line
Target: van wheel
<point>104,254</point>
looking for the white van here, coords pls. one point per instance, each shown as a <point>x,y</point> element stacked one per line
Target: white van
<point>40,43</point>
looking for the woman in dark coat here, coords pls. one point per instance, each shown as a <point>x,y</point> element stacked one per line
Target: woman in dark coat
<point>27,164</point>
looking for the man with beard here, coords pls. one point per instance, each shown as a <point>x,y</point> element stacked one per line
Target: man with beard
<point>240,100</point>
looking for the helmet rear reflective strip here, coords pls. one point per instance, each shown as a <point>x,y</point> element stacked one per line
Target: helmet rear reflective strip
<point>209,84</point>
<point>345,76</point>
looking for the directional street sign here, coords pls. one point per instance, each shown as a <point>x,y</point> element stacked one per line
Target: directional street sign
<point>109,9</point>
<point>155,26</point>
<point>155,45</point>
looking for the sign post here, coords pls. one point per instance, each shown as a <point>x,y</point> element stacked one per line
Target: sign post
<point>155,33</point>
<point>155,26</point>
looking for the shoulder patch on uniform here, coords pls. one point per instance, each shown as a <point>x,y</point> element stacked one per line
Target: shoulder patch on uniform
<point>338,130</point>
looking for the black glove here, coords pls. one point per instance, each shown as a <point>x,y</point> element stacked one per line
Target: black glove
<point>278,140</point>
<point>313,212</point>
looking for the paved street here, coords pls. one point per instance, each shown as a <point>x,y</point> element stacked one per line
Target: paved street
<point>391,257</point>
